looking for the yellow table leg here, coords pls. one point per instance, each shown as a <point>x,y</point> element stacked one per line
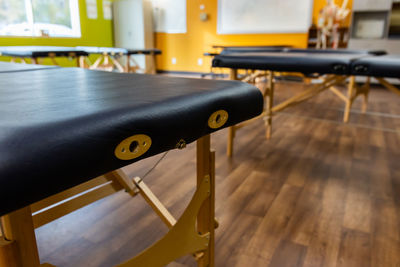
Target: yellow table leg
<point>206,216</point>
<point>231,133</point>
<point>366,93</point>
<point>349,102</point>
<point>270,104</point>
<point>18,227</point>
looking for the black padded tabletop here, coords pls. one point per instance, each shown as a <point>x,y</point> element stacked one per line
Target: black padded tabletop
<point>382,66</point>
<point>150,51</point>
<point>306,63</point>
<point>255,49</point>
<point>250,46</point>
<point>336,51</point>
<point>40,51</point>
<point>232,50</point>
<point>14,67</point>
<point>61,127</point>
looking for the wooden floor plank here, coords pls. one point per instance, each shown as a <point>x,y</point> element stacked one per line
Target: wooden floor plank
<point>355,249</point>
<point>288,254</point>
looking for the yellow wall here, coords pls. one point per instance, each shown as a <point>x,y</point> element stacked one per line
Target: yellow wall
<point>189,47</point>
<point>96,32</point>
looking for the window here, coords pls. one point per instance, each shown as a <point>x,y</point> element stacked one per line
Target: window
<point>54,18</point>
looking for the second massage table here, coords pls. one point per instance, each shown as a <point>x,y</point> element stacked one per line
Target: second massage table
<point>37,53</point>
<point>333,68</point>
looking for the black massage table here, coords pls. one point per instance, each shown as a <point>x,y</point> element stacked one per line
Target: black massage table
<point>109,58</point>
<point>67,132</point>
<point>286,50</point>
<point>299,50</point>
<point>334,68</point>
<point>35,53</point>
<point>240,48</point>
<point>227,47</point>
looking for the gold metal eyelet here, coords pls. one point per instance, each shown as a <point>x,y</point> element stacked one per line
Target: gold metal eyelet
<point>133,147</point>
<point>181,144</point>
<point>218,119</point>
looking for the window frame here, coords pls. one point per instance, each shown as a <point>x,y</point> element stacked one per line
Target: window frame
<point>74,16</point>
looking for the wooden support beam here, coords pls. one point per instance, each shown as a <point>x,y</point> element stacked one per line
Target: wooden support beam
<point>155,203</point>
<point>388,85</point>
<point>306,94</point>
<point>338,93</point>
<point>58,210</point>
<point>117,64</point>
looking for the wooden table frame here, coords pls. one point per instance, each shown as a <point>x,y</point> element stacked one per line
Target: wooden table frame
<point>329,83</point>
<point>106,61</point>
<point>52,56</point>
<point>388,85</point>
<point>195,227</point>
<point>109,62</point>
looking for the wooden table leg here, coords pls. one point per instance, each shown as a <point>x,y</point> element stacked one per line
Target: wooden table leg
<point>231,137</point>
<point>18,227</point>
<point>270,104</point>
<point>206,216</point>
<point>349,102</point>
<point>231,133</point>
<point>127,63</point>
<point>366,93</point>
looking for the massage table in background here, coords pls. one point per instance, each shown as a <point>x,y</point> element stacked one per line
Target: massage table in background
<point>245,47</point>
<point>239,48</point>
<point>36,53</point>
<point>65,133</point>
<point>281,49</point>
<point>382,67</point>
<point>333,68</point>
<point>236,50</point>
<point>109,58</point>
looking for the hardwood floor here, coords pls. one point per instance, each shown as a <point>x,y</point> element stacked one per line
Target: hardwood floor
<point>318,193</point>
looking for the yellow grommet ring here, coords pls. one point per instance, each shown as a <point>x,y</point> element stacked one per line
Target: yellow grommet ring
<point>133,147</point>
<point>218,119</point>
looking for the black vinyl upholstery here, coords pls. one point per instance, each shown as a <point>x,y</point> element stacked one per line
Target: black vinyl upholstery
<point>306,63</point>
<point>153,51</point>
<point>60,127</point>
<point>261,49</point>
<point>382,66</point>
<point>336,51</point>
<point>255,49</point>
<point>40,51</point>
